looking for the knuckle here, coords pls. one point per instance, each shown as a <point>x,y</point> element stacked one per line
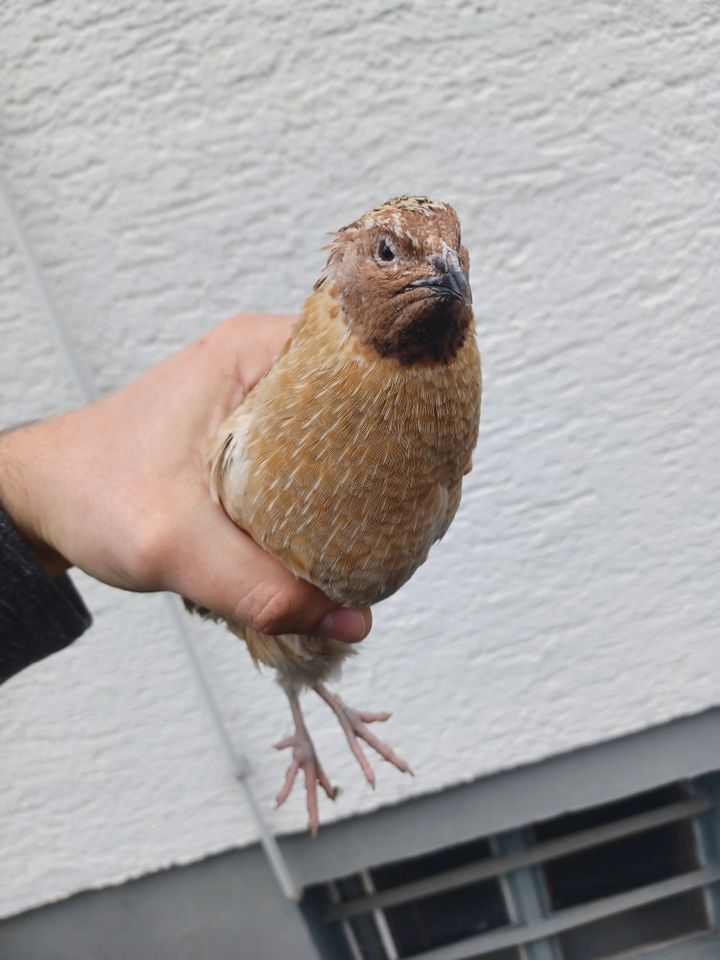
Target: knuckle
<point>269,609</point>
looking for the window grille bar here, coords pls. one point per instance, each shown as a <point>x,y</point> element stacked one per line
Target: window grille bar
<point>383,928</point>
<point>573,917</point>
<point>346,927</point>
<point>700,947</point>
<point>497,866</point>
<point>707,834</point>
<point>527,894</point>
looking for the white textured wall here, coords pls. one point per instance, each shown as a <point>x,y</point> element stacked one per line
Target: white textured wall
<point>174,163</point>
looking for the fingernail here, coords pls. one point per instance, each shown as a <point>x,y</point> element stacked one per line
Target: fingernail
<point>349,626</point>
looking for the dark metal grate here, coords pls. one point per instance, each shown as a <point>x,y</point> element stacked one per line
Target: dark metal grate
<point>585,886</point>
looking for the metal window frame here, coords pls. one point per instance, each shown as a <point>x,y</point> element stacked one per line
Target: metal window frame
<point>523,857</point>
<point>516,865</point>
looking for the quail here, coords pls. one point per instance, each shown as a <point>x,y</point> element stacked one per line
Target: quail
<point>346,461</point>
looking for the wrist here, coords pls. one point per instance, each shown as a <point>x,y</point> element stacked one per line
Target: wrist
<point>23,493</point>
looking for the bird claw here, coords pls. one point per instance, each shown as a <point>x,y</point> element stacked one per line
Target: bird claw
<point>304,758</point>
<point>353,723</point>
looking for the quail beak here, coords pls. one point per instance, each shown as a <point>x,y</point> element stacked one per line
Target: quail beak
<point>447,279</point>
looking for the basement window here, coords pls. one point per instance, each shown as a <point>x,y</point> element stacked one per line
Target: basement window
<point>603,882</point>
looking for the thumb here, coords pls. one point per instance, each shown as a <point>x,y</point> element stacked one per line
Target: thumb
<point>218,566</point>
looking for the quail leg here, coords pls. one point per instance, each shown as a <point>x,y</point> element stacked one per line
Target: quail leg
<point>303,758</point>
<point>353,723</point>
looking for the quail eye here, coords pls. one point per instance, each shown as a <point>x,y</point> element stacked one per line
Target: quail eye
<point>385,251</point>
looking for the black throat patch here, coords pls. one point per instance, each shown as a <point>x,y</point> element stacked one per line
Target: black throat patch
<point>433,336</point>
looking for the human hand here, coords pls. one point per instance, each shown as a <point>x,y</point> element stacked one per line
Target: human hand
<point>120,489</point>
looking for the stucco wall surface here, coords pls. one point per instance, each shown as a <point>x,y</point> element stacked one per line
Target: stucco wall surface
<point>174,163</point>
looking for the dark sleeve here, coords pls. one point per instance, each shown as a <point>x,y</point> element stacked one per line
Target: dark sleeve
<point>38,614</point>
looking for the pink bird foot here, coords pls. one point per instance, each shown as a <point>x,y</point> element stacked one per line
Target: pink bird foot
<point>303,758</point>
<point>353,723</point>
